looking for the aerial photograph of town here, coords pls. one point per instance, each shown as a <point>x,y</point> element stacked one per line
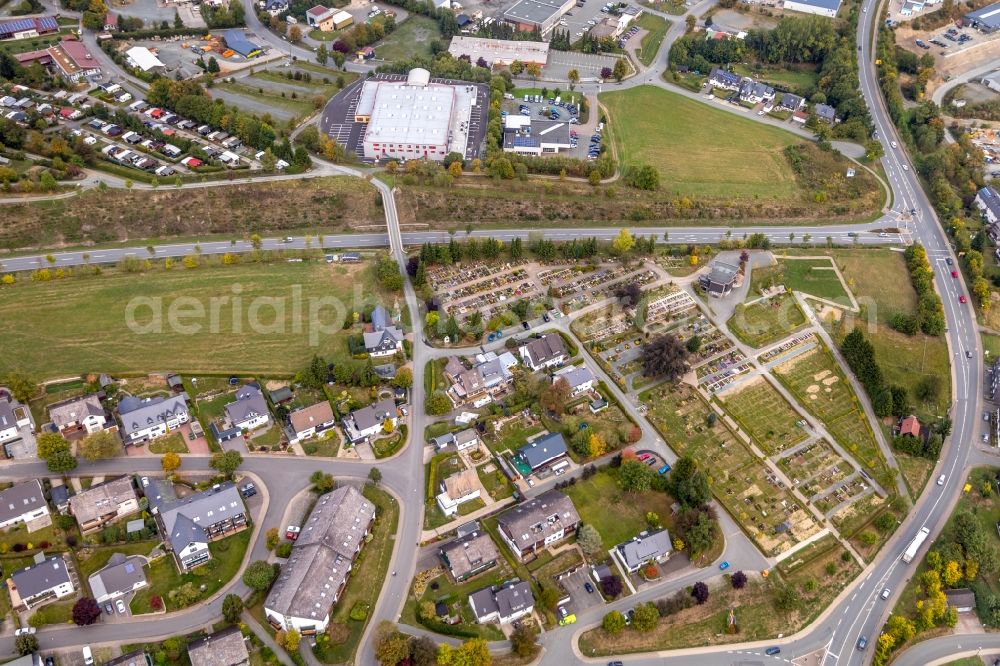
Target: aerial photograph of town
<point>500,332</point>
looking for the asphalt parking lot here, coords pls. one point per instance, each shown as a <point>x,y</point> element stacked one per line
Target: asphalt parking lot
<point>581,600</point>
<point>587,65</point>
<point>584,131</point>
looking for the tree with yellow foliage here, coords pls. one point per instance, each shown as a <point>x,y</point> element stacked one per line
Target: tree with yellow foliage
<point>623,242</point>
<point>598,447</point>
<point>952,574</point>
<point>171,462</point>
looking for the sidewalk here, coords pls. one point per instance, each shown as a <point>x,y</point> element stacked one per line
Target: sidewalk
<point>427,535</point>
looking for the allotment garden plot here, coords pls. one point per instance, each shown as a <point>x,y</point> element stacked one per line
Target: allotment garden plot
<point>765,415</point>
<point>755,496</point>
<point>820,387</point>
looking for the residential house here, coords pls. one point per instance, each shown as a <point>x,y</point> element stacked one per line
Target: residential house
<point>988,202</point>
<point>543,451</point>
<point>720,78</point>
<point>22,503</point>
<point>311,421</point>
<point>490,375</point>
<point>543,352</point>
<point>59,497</point>
<point>321,18</point>
<point>579,378</point>
<point>504,605</point>
<point>250,409</point>
<point>313,578</point>
<point>790,102</point>
<point>45,580</point>
<point>369,421</point>
<point>536,524</point>
<point>78,416</point>
<point>384,339</point>
<point>646,548</point>
<point>720,278</point>
<point>458,489</point>
<point>825,113</point>
<point>104,503</point>
<point>122,575</point>
<point>963,600</point>
<point>275,7</point>
<point>755,92</point>
<point>189,523</point>
<point>33,659</point>
<point>143,420</point>
<point>909,426</point>
<point>470,554</point>
<point>13,418</point>
<point>110,22</point>
<point>466,439</point>
<point>223,648</point>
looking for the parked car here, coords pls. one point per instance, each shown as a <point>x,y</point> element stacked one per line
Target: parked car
<point>724,565</point>
<point>248,489</point>
<point>109,609</point>
<point>292,532</point>
<point>590,588</point>
<point>120,605</point>
<point>664,469</point>
<point>24,631</point>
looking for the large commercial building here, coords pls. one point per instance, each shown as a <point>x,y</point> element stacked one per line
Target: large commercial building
<point>543,15</point>
<point>819,7</point>
<point>26,28</point>
<point>499,52</point>
<point>986,19</point>
<point>526,136</point>
<point>415,118</point>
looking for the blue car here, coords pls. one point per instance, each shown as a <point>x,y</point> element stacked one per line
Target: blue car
<point>724,565</point>
<point>771,651</point>
<point>664,469</point>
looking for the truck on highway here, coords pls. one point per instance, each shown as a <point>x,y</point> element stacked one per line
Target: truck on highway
<point>911,550</point>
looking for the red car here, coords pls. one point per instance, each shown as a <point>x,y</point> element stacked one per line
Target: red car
<point>954,274</point>
<point>962,299</point>
<point>644,456</point>
<point>292,532</point>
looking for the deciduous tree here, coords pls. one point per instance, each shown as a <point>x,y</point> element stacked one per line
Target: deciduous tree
<point>85,611</point>
<point>99,446</point>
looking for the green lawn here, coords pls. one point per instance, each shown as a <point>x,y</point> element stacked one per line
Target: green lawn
<point>650,44</point>
<point>815,277</point>
<point>456,595</point>
<point>768,321</point>
<point>370,571</point>
<point>325,446</point>
<point>765,415</point>
<point>100,556</point>
<point>680,137</point>
<point>799,79</point>
<point>57,612</point>
<point>496,483</point>
<point>617,515</point>
<point>512,437</point>
<point>173,442</point>
<point>411,38</point>
<point>298,107</point>
<point>163,576</point>
<point>49,328</point>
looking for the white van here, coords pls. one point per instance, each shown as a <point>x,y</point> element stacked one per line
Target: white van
<point>88,657</point>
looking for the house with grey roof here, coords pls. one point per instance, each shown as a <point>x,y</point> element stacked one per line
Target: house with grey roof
<point>988,202</point>
<point>223,648</point>
<point>135,658</point>
<point>963,600</point>
<point>314,577</point>
<point>189,523</point>
<point>384,339</point>
<point>579,378</point>
<point>13,418</point>
<point>470,554</point>
<point>504,605</point>
<point>59,497</point>
<point>543,451</point>
<point>544,351</point>
<point>22,503</point>
<point>122,575</point>
<point>106,502</point>
<point>755,92</point>
<point>249,411</point>
<point>369,421</point>
<point>643,549</point>
<point>78,416</point>
<point>143,420</point>
<point>724,80</point>
<point>825,113</point>
<point>720,278</point>
<point>538,523</point>
<point>790,102</point>
<point>45,580</point>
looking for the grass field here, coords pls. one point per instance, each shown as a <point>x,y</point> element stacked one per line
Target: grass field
<point>821,388</point>
<point>650,45</point>
<point>411,38</point>
<point>680,137</point>
<point>797,78</point>
<point>765,415</point>
<point>764,322</point>
<point>815,277</point>
<point>79,325</point>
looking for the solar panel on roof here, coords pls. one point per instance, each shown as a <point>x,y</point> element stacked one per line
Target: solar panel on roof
<point>17,25</point>
<point>129,568</point>
<point>47,22</point>
<point>525,142</point>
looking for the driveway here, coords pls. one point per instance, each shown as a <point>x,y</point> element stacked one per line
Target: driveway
<point>580,599</point>
<point>197,446</point>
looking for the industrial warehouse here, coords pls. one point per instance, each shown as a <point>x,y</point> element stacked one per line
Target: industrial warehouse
<point>410,117</point>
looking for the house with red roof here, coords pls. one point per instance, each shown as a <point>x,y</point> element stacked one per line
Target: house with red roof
<point>910,426</point>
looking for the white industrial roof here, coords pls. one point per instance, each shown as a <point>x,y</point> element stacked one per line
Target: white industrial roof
<point>499,50</point>
<point>143,58</point>
<point>407,114</point>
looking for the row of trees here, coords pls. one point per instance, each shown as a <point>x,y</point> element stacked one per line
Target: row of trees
<point>860,356</point>
<point>930,312</point>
